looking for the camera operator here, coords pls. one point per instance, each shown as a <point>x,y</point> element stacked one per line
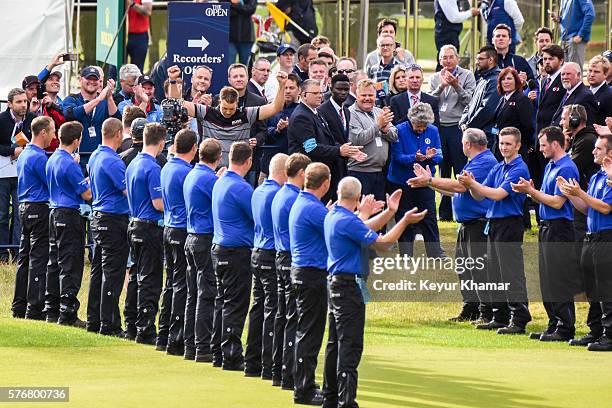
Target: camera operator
<point>226,122</point>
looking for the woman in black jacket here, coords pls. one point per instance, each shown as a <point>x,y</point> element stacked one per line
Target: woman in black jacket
<point>514,109</point>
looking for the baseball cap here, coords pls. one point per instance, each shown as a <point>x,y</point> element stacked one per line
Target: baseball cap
<point>145,79</point>
<point>90,71</point>
<point>29,80</point>
<point>607,54</point>
<point>137,127</point>
<point>58,74</point>
<point>283,48</point>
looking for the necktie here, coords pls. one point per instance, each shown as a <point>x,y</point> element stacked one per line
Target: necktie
<point>546,84</point>
<point>567,94</point>
<point>415,99</point>
<point>342,118</point>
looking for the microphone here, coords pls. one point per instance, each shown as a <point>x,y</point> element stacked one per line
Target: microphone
<point>532,84</point>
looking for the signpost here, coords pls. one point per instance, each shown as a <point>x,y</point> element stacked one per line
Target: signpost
<point>198,34</point>
<point>108,20</point>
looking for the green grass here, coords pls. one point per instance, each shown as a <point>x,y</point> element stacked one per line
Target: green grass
<point>413,358</point>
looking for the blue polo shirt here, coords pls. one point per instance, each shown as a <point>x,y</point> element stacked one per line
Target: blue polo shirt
<point>281,206</point>
<point>197,192</point>
<point>31,176</point>
<point>143,185</point>
<point>232,213</point>
<point>172,180</point>
<point>154,111</point>
<point>465,207</point>
<point>261,203</point>
<point>306,233</point>
<point>501,176</point>
<point>403,152</point>
<point>74,109</point>
<point>107,177</point>
<point>65,181</point>
<point>566,168</point>
<point>347,239</point>
<point>596,221</point>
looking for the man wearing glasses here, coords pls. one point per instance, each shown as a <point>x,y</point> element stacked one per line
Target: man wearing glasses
<point>381,71</point>
<point>259,76</point>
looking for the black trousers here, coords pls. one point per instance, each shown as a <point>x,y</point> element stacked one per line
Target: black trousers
<point>472,244</point>
<point>597,266</point>
<point>233,273</point>
<point>165,311</point>
<point>311,305</point>
<point>147,242</point>
<point>454,161</point>
<point>174,238</point>
<point>201,292</point>
<point>130,308</point>
<point>345,342</point>
<point>258,355</point>
<point>285,323</point>
<point>68,229</point>
<point>30,279</point>
<point>558,267</point>
<point>506,265</point>
<point>52,290</point>
<point>110,254</point>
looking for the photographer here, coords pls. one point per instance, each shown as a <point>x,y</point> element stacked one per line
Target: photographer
<point>225,122</point>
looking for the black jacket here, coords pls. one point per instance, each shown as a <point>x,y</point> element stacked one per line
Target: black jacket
<point>240,21</point>
<point>580,96</point>
<point>253,89</point>
<point>400,104</point>
<point>517,112</point>
<point>604,102</point>
<point>329,113</point>
<point>310,134</point>
<point>582,147</point>
<point>7,125</point>
<point>548,103</point>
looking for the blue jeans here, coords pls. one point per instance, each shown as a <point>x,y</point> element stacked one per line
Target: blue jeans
<point>10,231</point>
<point>240,49</point>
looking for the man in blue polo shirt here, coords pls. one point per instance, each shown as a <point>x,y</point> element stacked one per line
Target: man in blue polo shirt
<point>308,275</point>
<point>258,356</point>
<point>596,259</point>
<point>144,195</point>
<point>471,239</point>
<point>67,190</point>
<point>347,238</point>
<point>201,285</point>
<point>90,108</point>
<point>505,235</point>
<point>175,233</point>
<point>109,226</point>
<point>558,265</point>
<point>231,254</point>
<point>29,299</point>
<point>285,322</point>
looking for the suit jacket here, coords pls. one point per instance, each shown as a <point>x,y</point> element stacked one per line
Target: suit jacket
<point>253,89</point>
<point>330,114</point>
<point>400,104</point>
<point>604,102</point>
<point>516,112</point>
<point>581,96</point>
<point>7,125</point>
<point>310,134</point>
<point>548,103</point>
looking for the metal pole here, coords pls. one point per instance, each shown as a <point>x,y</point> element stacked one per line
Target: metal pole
<point>474,30</point>
<point>339,27</point>
<point>543,4</point>
<point>407,33</point>
<point>363,39</point>
<point>415,34</point>
<point>609,25</point>
<point>347,32</point>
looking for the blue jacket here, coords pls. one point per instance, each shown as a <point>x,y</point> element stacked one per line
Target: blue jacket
<point>577,19</point>
<point>403,152</point>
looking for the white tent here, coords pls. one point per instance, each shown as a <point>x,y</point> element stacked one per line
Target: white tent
<point>31,33</point>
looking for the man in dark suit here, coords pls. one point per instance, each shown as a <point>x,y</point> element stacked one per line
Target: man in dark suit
<point>598,71</point>
<point>259,76</point>
<point>577,94</point>
<point>309,133</point>
<point>400,104</point>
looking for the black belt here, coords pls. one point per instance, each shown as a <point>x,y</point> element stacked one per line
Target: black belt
<point>590,236</point>
<point>264,251</point>
<point>548,223</point>
<point>477,220</point>
<point>148,222</point>
<point>109,214</point>
<point>346,277</point>
<point>45,203</point>
<point>201,235</point>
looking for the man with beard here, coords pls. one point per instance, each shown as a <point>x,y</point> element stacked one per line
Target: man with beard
<point>576,94</point>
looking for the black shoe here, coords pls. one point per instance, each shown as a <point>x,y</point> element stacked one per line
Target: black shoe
<point>78,323</point>
<point>93,329</point>
<point>161,344</point>
<point>39,316</point>
<point>276,382</point>
<point>481,320</point>
<point>52,318</point>
<point>464,317</point>
<point>130,335</point>
<point>317,399</point>
<point>175,349</point>
<point>604,344</point>
<point>149,340</point>
<point>492,325</point>
<point>250,373</point>
<point>535,335</point>
<point>288,386</point>
<point>512,329</point>
<point>266,377</point>
<point>189,354</point>
<point>233,367</point>
<point>216,363</point>
<point>555,337</point>
<point>205,358</point>
<point>113,333</point>
<point>584,340</point>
